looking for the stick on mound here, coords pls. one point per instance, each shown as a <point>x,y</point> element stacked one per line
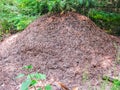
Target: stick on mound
<point>61,46</point>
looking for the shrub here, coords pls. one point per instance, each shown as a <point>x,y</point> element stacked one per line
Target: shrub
<point>17,14</point>
<point>32,79</point>
<point>106,20</point>
<point>11,19</point>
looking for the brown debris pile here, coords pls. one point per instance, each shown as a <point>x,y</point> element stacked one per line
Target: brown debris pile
<point>63,47</point>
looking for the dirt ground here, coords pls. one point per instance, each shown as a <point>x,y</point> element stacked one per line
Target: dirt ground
<point>65,47</point>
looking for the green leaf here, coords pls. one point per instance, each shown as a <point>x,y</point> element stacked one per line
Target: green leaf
<point>28,67</point>
<point>31,76</point>
<point>20,75</point>
<point>37,76</point>
<point>62,4</point>
<point>114,81</point>
<point>87,4</point>
<point>48,87</point>
<point>40,76</point>
<point>51,5</point>
<point>115,87</point>
<point>25,85</point>
<point>33,82</point>
<point>81,2</point>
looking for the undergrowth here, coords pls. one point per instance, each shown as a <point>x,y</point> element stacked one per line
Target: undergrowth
<point>32,80</point>
<point>15,15</point>
<point>106,20</point>
<point>35,81</point>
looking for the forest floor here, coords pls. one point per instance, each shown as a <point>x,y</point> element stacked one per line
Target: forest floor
<point>68,48</point>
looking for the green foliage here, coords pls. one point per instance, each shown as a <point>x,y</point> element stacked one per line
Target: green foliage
<point>115,82</point>
<point>28,67</point>
<point>33,7</point>
<point>109,21</point>
<point>109,17</point>
<point>25,85</point>
<point>115,87</point>
<point>32,80</point>
<point>10,17</point>
<point>48,87</point>
<point>15,15</point>
<point>37,76</point>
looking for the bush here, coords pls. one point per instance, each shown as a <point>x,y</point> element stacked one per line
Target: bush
<point>105,20</point>
<point>17,14</point>
<point>32,79</point>
<point>11,18</point>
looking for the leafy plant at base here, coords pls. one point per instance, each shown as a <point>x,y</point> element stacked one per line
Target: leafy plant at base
<point>32,79</point>
<point>115,82</point>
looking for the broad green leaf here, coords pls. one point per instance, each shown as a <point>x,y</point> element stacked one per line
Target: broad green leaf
<point>81,2</point>
<point>28,67</point>
<point>87,4</point>
<point>48,87</point>
<point>25,85</point>
<point>20,75</point>
<point>33,82</point>
<point>116,82</point>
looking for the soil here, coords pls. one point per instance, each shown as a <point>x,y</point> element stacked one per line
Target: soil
<point>68,48</point>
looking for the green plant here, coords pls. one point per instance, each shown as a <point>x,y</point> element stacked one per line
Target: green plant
<point>11,19</point>
<point>106,20</point>
<point>115,82</point>
<point>32,79</point>
<point>15,15</point>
